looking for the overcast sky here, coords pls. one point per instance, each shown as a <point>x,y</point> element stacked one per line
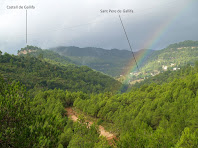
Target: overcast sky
<point>154,23</point>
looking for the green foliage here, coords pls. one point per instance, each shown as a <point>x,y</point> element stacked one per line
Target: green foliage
<point>84,136</point>
<point>37,74</point>
<point>29,47</point>
<point>188,139</point>
<point>102,143</point>
<point>187,43</point>
<point>48,55</point>
<point>178,54</point>
<point>15,116</point>
<point>160,112</point>
<point>112,62</point>
<point>25,122</point>
<point>41,121</point>
<point>168,76</point>
<point>153,115</point>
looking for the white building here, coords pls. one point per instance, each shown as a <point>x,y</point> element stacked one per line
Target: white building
<point>165,67</point>
<point>174,68</point>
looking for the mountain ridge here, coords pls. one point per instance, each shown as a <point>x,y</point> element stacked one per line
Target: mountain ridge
<point>112,62</point>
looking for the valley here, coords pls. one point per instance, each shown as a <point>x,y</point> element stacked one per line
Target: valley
<point>98,74</point>
<point>61,104</point>
<point>119,63</point>
<point>74,116</point>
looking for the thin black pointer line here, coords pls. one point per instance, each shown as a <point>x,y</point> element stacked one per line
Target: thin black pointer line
<point>26,26</point>
<point>129,43</point>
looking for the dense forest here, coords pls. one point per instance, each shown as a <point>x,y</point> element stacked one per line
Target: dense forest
<point>48,55</point>
<point>166,76</point>
<point>41,121</point>
<point>173,56</point>
<point>37,73</point>
<point>112,62</point>
<point>35,89</point>
<point>153,115</point>
<point>188,43</point>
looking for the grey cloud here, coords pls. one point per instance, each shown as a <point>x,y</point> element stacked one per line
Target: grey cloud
<point>80,23</point>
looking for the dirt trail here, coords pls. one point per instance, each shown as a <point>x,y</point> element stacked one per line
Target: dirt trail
<point>71,114</point>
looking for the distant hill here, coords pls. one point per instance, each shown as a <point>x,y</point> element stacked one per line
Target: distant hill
<point>48,55</point>
<point>172,57</point>
<point>38,74</point>
<point>112,62</point>
<point>161,111</point>
<point>161,115</point>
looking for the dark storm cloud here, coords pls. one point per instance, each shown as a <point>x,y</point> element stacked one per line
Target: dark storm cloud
<point>80,23</point>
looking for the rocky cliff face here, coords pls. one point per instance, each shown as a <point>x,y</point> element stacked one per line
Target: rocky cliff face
<point>25,51</point>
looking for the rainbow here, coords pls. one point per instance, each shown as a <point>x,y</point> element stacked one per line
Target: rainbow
<point>152,40</point>
<point>132,67</point>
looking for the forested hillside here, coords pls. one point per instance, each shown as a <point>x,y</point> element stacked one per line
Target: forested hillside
<point>41,121</point>
<point>171,58</point>
<point>166,76</point>
<point>36,73</point>
<point>174,56</point>
<point>48,55</point>
<point>112,62</point>
<point>150,116</point>
<point>161,111</point>
<point>153,115</point>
